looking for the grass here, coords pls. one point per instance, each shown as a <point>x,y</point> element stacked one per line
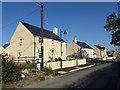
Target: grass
<point>19,85</point>
<point>50,71</point>
<point>41,78</point>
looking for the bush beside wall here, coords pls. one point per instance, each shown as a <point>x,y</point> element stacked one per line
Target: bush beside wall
<point>10,71</point>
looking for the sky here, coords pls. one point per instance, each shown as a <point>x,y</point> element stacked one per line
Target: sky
<point>84,20</point>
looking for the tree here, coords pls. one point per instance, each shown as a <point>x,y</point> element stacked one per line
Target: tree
<point>113,25</point>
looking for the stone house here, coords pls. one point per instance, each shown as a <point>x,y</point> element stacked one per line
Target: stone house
<point>99,52</point>
<point>26,42</point>
<point>113,53</point>
<point>79,49</point>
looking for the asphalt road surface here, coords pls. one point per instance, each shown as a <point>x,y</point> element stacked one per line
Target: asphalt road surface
<point>100,76</point>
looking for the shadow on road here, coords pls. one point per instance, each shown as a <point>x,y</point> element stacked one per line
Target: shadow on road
<point>102,61</point>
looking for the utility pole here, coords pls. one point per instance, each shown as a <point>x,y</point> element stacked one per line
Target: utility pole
<point>42,44</point>
<point>42,32</point>
<point>119,17</point>
<point>61,49</point>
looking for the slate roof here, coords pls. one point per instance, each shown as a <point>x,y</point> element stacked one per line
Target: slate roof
<point>83,45</point>
<point>99,47</point>
<point>36,32</point>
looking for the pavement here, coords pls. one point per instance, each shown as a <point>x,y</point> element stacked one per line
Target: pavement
<point>75,68</point>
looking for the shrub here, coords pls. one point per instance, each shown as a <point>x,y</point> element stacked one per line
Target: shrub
<point>55,73</point>
<point>10,71</point>
<point>28,62</point>
<point>50,71</point>
<point>56,59</point>
<point>27,66</point>
<point>59,59</point>
<point>49,61</point>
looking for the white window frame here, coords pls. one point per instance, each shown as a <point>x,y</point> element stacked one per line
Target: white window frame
<point>40,39</point>
<point>19,54</point>
<point>20,42</point>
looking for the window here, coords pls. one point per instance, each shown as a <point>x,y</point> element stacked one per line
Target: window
<point>40,39</point>
<point>39,53</point>
<point>52,41</point>
<point>61,53</point>
<point>52,53</point>
<point>40,56</point>
<point>20,42</point>
<point>19,54</point>
<point>73,50</point>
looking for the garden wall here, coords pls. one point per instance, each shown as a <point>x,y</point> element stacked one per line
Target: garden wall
<point>65,64</point>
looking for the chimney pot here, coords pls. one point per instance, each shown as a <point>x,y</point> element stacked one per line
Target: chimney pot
<point>99,45</point>
<point>55,31</point>
<point>6,42</point>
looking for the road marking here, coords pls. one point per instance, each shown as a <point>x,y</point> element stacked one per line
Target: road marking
<point>88,66</point>
<point>62,72</point>
<point>74,70</point>
<point>82,68</point>
<point>77,67</point>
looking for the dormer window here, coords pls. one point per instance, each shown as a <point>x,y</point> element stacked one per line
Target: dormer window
<point>20,42</point>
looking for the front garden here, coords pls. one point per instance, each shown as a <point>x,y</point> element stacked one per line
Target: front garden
<point>21,75</point>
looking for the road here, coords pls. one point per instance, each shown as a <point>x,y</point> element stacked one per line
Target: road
<point>103,75</point>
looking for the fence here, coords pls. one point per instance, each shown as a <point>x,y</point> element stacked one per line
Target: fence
<point>21,60</point>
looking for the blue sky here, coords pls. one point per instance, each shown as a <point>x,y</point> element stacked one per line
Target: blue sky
<point>84,20</point>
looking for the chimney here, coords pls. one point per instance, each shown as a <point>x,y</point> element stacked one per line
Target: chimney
<point>55,31</point>
<point>99,45</point>
<point>7,43</point>
<point>75,39</point>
